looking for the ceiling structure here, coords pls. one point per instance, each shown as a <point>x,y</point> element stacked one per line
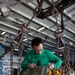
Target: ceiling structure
<point>21,11</point>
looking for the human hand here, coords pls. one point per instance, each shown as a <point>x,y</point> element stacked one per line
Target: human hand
<point>31,65</point>
<point>50,66</point>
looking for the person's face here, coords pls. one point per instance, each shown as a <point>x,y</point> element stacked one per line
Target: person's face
<point>38,49</point>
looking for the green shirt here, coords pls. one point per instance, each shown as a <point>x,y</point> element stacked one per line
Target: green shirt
<point>41,59</point>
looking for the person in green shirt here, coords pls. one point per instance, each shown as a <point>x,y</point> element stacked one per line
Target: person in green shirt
<point>40,57</point>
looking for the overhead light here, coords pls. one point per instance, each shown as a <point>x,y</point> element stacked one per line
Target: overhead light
<point>16,49</point>
<point>71,43</point>
<point>3,33</point>
<point>65,11</point>
<point>53,52</point>
<point>69,15</point>
<point>61,55</point>
<point>41,28</point>
<point>72,62</point>
<point>25,39</point>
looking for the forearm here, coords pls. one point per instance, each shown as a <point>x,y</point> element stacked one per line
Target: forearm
<point>58,63</point>
<point>55,60</point>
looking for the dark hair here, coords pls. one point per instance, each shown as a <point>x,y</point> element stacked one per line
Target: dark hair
<point>36,41</point>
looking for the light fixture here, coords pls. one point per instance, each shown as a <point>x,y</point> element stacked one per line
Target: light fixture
<point>60,55</point>
<point>25,39</point>
<point>41,28</point>
<point>3,33</point>
<point>53,52</point>
<point>71,43</point>
<point>16,49</point>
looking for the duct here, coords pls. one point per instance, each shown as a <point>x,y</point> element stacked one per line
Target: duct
<point>9,31</point>
<point>10,18</point>
<point>9,25</point>
<point>69,38</point>
<point>70,30</point>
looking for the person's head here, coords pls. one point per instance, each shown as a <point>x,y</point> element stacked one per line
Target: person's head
<point>37,45</point>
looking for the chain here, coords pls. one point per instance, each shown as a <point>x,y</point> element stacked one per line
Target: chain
<point>66,62</point>
<point>11,59</point>
<point>18,41</point>
<point>24,30</point>
<point>55,15</point>
<point>58,33</point>
<point>20,56</point>
<point>55,10</point>
<point>34,14</point>
<point>39,7</point>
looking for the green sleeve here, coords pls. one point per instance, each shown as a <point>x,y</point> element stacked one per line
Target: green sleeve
<point>24,64</point>
<point>56,60</point>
